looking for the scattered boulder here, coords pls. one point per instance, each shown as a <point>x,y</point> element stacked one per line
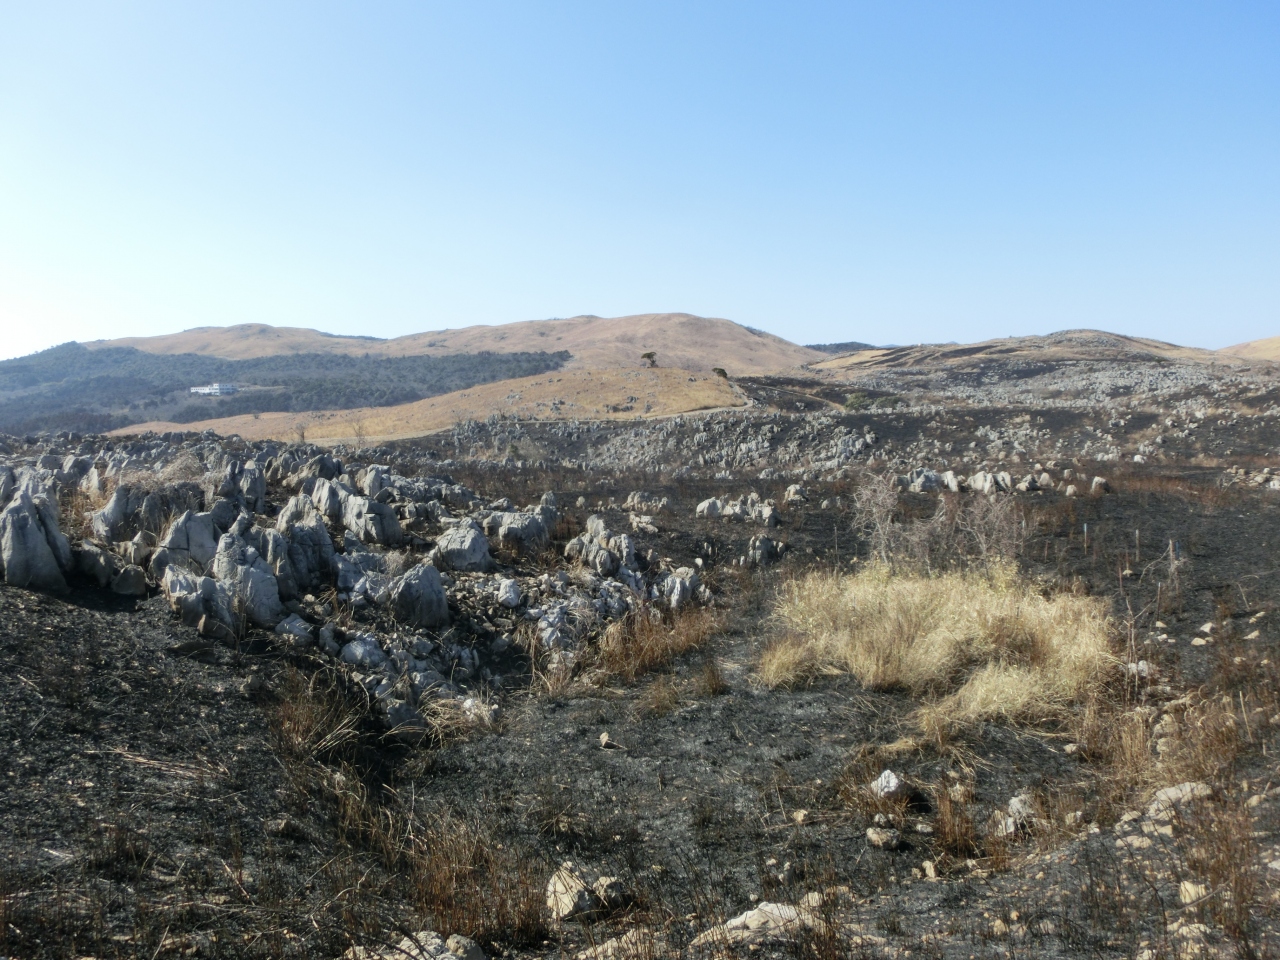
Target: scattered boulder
<point>363,650</point>
<point>418,597</point>
<point>95,563</point>
<point>33,551</point>
<point>249,580</point>
<point>298,629</point>
<point>888,786</point>
<point>884,838</point>
<point>522,532</point>
<point>131,581</point>
<point>462,547</point>
<point>509,593</point>
<point>196,599</point>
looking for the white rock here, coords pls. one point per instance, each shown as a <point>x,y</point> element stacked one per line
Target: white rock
<point>509,593</point>
<point>568,896</point>
<point>363,651</point>
<point>888,786</point>
<point>886,838</point>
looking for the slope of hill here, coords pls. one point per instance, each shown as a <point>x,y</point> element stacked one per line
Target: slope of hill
<point>1067,345</point>
<point>1266,349</point>
<point>564,395</point>
<point>679,340</point>
<point>73,388</point>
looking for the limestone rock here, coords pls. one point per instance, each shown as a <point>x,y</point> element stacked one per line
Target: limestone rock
<point>463,547</point>
<point>418,597</point>
<point>249,581</point>
<point>195,598</point>
<point>131,581</point>
<point>33,551</point>
<point>569,897</point>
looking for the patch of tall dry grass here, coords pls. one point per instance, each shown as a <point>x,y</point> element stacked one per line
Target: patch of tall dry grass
<point>973,645</point>
<point>649,639</point>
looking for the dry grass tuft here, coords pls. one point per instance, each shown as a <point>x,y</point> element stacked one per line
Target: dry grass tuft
<point>975,645</point>
<point>649,639</point>
<point>659,698</point>
<point>711,679</point>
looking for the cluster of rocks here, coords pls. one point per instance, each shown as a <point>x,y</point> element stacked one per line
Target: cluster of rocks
<point>750,508</point>
<point>1068,483</point>
<point>413,555</point>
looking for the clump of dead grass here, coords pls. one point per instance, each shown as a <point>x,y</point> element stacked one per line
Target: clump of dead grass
<point>974,645</point>
<point>649,639</point>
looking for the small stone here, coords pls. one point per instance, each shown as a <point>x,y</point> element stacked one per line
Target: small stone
<point>464,948</point>
<point>609,891</point>
<point>888,786</point>
<point>1191,892</point>
<point>885,838</point>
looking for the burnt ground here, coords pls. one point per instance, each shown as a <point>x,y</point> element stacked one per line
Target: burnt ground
<point>156,804</point>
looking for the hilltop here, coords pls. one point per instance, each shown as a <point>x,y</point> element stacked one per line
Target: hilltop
<point>1093,345</point>
<point>679,339</point>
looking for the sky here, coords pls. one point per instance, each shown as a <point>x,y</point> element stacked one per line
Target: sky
<point>892,173</point>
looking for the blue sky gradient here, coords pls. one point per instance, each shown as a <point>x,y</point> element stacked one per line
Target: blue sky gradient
<point>896,172</point>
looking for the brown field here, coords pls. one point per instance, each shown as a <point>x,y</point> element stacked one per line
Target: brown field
<point>581,394</point>
<point>679,339</point>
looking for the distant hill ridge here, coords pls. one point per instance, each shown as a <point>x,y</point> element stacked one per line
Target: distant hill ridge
<point>679,340</point>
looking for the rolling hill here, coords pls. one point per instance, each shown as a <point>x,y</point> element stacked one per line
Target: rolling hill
<point>1055,347</point>
<point>679,339</point>
<point>1266,349</point>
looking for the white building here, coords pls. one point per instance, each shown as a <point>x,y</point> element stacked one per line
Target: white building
<point>216,389</point>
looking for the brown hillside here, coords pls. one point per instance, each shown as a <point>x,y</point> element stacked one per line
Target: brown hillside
<point>1266,349</point>
<point>679,339</point>
<point>563,395</point>
<point>1066,345</point>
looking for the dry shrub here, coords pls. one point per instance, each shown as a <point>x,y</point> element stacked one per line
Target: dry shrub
<point>185,468</point>
<point>659,698</point>
<point>961,531</point>
<point>711,679</point>
<point>975,645</point>
<point>954,829</point>
<point>315,719</point>
<point>472,885</point>
<point>459,873</point>
<point>1217,843</point>
<point>646,640</point>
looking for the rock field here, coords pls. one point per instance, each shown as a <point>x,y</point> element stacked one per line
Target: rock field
<point>496,691</point>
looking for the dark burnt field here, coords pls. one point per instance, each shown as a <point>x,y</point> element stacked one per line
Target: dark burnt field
<point>172,795</point>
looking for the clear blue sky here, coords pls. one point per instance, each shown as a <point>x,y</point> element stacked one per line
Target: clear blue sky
<point>895,172</point>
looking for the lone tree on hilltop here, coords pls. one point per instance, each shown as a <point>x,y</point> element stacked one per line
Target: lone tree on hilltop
<point>651,356</point>
<point>720,372</point>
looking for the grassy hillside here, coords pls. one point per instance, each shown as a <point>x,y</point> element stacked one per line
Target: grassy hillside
<point>596,343</point>
<point>71,387</point>
<point>568,395</point>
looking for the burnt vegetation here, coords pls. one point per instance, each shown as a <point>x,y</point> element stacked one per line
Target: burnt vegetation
<point>1036,670</point>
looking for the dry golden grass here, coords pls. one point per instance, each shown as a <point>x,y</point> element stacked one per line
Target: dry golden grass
<point>679,339</point>
<point>648,640</point>
<point>973,645</point>
<point>562,395</point>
